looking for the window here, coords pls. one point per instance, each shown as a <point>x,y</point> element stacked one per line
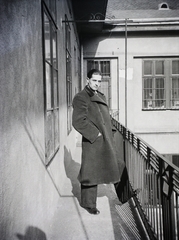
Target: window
<point>163,6</point>
<point>105,68</point>
<point>161,84</point>
<point>75,62</point>
<point>175,84</point>
<point>51,81</point>
<point>79,74</point>
<point>68,76</point>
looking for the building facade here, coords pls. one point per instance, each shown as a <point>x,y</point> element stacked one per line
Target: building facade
<point>139,56</point>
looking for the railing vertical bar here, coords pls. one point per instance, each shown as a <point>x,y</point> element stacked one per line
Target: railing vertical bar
<point>150,192</point>
<point>171,203</point>
<point>160,198</point>
<point>144,196</point>
<point>157,209</point>
<point>177,214</point>
<point>153,199</point>
<point>147,188</point>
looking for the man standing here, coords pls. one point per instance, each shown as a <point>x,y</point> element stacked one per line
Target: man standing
<point>92,120</point>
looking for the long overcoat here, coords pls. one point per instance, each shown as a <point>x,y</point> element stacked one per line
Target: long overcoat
<point>99,160</point>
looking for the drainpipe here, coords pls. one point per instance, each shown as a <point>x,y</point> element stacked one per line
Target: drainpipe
<point>126,72</point>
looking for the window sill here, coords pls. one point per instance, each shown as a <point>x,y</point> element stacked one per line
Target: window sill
<point>50,159</point>
<point>160,109</point>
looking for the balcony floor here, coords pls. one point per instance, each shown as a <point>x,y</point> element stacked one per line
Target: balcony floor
<point>114,222</point>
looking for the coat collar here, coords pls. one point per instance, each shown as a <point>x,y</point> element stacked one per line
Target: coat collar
<point>95,97</point>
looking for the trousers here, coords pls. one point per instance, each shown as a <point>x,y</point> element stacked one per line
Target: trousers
<point>88,196</point>
<point>123,191</point>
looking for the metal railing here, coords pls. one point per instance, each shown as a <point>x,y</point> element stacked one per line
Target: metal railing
<point>114,113</point>
<point>158,181</point>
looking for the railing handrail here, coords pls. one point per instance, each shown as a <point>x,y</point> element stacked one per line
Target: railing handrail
<point>148,145</point>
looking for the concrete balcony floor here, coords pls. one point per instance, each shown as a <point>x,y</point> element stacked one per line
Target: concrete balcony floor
<point>114,222</point>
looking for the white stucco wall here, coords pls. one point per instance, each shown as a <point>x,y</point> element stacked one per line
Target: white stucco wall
<point>29,191</point>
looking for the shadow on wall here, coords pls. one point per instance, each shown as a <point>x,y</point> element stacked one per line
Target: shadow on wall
<point>32,233</point>
<point>72,169</point>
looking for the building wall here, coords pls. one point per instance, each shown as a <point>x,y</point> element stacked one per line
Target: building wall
<point>30,191</point>
<point>159,128</point>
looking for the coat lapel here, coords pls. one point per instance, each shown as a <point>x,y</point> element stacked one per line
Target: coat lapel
<point>95,97</point>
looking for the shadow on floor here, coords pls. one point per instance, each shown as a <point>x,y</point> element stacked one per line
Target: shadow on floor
<point>32,233</point>
<point>72,169</point>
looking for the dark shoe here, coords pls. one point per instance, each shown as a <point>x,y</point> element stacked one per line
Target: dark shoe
<point>94,211</point>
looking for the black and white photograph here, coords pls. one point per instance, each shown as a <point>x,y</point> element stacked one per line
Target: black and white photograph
<point>89,120</point>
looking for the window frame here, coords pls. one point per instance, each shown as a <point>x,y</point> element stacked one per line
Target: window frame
<point>167,90</point>
<point>68,74</point>
<point>97,63</point>
<point>51,84</point>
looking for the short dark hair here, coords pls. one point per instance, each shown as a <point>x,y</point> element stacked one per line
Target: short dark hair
<point>93,71</point>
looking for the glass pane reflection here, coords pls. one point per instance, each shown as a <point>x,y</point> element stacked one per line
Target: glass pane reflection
<point>47,37</point>
<point>48,86</point>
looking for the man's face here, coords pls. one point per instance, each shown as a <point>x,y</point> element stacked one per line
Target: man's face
<point>94,82</point>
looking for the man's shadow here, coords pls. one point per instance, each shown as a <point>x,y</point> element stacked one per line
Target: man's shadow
<point>72,169</point>
<point>32,233</point>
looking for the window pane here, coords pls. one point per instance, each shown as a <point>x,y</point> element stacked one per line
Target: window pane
<point>148,104</point>
<point>75,61</point>
<point>147,95</point>
<point>47,2</point>
<point>96,65</point>
<point>147,82</point>
<point>175,92</point>
<point>159,83</point>
<point>47,38</point>
<point>53,8</point>
<point>159,67</point>
<point>68,38</point>
<point>69,118</point>
<point>49,134</point>
<point>105,68</point>
<point>55,88</point>
<point>54,46</point>
<point>175,83</point>
<point>159,93</point>
<point>68,79</point>
<point>147,67</point>
<point>89,65</point>
<point>175,67</point>
<point>48,86</point>
<point>56,122</point>
<point>104,89</point>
